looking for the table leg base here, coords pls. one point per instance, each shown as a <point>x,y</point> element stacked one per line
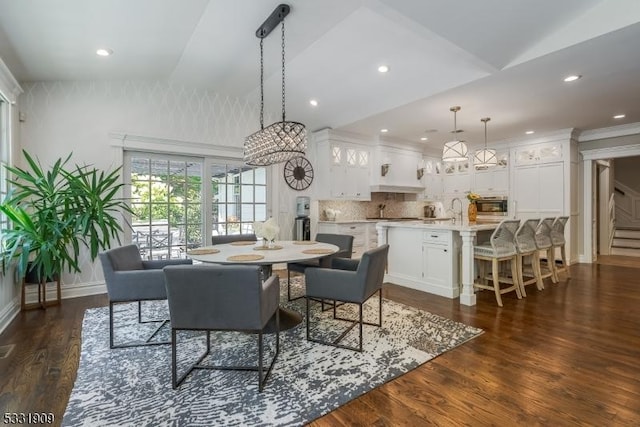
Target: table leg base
<point>288,319</point>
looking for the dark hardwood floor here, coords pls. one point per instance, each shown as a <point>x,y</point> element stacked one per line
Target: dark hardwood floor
<point>567,355</point>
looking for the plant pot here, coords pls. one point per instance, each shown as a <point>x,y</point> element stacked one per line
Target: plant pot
<point>33,277</point>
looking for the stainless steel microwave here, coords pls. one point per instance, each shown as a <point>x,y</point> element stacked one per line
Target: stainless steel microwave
<point>493,206</point>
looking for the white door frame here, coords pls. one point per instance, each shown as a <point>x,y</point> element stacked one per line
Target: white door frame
<point>589,175</point>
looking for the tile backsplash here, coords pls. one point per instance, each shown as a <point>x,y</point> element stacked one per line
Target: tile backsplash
<point>397,205</point>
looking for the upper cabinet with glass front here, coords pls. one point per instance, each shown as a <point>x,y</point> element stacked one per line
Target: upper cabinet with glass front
<point>456,179</point>
<point>342,169</point>
<point>538,153</point>
<point>493,180</point>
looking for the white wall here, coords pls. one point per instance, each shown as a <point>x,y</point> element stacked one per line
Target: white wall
<point>63,117</point>
<point>626,172</point>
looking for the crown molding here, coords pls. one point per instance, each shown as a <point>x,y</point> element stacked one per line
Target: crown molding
<point>610,132</point>
<point>611,152</point>
<point>146,143</point>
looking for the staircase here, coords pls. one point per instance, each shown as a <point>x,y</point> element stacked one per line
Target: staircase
<point>626,241</point>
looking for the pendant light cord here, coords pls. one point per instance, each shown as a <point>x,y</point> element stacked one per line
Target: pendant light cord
<point>485,120</point>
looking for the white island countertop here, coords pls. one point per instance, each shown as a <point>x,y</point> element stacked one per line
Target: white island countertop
<point>443,225</point>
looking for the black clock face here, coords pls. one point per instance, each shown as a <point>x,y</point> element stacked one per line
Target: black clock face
<point>298,173</point>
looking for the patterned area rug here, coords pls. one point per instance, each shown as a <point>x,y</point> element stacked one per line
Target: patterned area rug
<point>132,387</point>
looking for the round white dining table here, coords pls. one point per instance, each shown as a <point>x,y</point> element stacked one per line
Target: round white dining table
<point>254,253</point>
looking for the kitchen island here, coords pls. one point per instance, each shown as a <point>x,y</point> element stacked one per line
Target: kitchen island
<point>433,257</point>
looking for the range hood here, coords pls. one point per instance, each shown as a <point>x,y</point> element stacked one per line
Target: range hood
<point>396,189</point>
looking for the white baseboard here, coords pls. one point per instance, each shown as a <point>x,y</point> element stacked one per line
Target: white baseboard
<point>68,291</point>
<point>448,292</point>
<point>9,313</point>
<point>584,259</point>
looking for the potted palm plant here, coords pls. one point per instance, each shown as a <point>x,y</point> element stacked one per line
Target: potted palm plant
<point>53,213</point>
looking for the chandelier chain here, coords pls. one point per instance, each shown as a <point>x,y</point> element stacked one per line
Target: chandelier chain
<point>283,98</point>
<point>262,83</point>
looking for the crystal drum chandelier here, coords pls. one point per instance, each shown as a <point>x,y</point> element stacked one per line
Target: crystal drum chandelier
<point>454,151</point>
<point>281,140</point>
<point>485,158</point>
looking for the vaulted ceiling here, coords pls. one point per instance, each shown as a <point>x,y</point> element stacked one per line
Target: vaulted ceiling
<point>495,58</point>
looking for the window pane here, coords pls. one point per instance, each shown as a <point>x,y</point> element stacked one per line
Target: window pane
<point>167,205</point>
<point>247,193</point>
<point>247,176</point>
<point>261,194</point>
<point>261,212</point>
<point>260,176</point>
<point>247,212</point>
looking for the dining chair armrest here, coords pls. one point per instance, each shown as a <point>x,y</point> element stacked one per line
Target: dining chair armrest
<point>345,264</point>
<point>270,298</point>
<point>328,283</point>
<point>133,285</point>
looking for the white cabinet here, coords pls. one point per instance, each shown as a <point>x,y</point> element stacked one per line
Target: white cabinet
<point>427,260</point>
<point>538,153</point>
<point>364,234</point>
<point>404,262</point>
<point>538,184</point>
<point>494,180</point>
<point>343,171</point>
<point>440,261</point>
<point>456,179</point>
<point>432,179</point>
<point>402,171</point>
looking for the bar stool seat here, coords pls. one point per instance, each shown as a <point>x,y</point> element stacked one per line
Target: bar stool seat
<point>501,247</point>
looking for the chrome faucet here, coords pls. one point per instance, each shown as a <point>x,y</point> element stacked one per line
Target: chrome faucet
<point>459,213</point>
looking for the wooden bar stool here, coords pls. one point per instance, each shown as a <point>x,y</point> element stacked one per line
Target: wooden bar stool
<point>501,247</point>
<point>558,241</point>
<point>526,245</point>
<point>543,243</point>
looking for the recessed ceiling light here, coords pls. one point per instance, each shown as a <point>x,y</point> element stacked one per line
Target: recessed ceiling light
<point>383,68</point>
<point>572,78</point>
<point>530,132</point>
<point>313,102</point>
<point>424,138</point>
<point>384,130</point>
<point>619,116</point>
<point>104,52</point>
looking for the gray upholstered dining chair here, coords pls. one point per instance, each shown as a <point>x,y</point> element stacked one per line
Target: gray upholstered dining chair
<point>131,279</point>
<point>230,238</point>
<point>222,298</point>
<point>343,241</point>
<point>348,281</point>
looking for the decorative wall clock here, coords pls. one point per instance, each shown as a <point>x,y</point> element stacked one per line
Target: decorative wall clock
<point>298,173</point>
